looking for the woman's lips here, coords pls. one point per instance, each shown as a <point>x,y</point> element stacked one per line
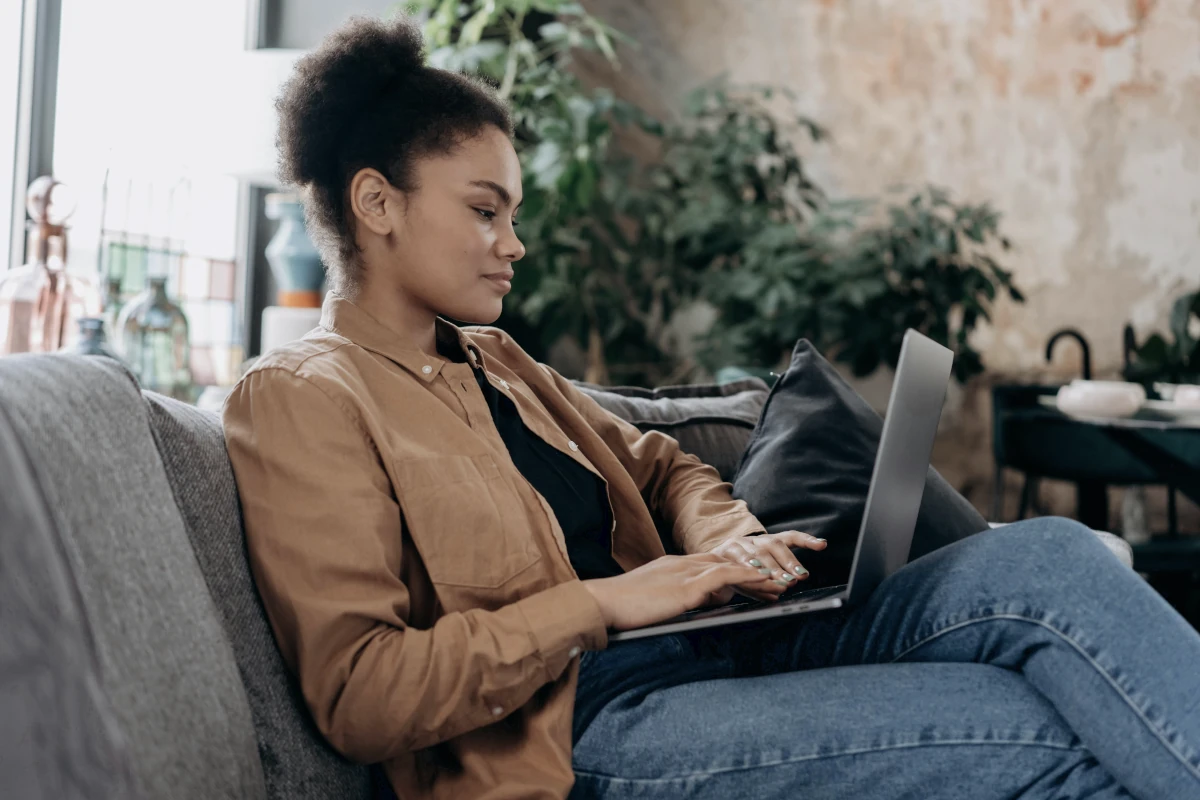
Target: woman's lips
<point>502,280</point>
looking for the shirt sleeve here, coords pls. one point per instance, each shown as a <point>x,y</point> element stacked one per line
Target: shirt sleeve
<point>323,533</point>
<point>686,493</point>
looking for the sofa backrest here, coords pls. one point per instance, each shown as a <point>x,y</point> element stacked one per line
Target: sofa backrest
<point>297,762</point>
<point>712,422</point>
<point>164,660</point>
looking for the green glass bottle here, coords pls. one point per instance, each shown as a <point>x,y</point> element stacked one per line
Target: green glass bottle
<point>92,341</point>
<point>154,342</point>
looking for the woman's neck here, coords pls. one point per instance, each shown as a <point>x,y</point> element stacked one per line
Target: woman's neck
<point>395,310</point>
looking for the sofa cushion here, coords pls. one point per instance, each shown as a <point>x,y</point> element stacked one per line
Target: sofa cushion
<point>164,660</point>
<point>297,761</point>
<point>809,464</point>
<point>711,422</point>
<point>59,739</point>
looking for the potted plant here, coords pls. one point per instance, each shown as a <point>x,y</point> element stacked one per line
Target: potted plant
<point>859,275</point>
<point>1160,361</point>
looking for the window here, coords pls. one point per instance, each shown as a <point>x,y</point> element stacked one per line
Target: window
<point>138,97</point>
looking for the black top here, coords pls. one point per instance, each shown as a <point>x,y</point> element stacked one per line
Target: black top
<point>576,495</point>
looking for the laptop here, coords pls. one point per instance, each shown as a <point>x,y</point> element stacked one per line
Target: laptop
<point>893,500</point>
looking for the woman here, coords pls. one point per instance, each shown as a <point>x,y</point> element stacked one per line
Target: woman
<point>444,530</point>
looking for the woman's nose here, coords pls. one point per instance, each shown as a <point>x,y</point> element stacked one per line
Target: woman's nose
<point>511,247</point>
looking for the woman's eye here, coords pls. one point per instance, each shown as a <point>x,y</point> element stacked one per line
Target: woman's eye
<point>491,215</point>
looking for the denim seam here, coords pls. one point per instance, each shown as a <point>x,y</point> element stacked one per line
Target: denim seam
<point>1079,648</point>
<point>820,756</point>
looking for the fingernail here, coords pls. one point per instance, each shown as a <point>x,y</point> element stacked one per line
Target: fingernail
<point>822,541</point>
<point>781,583</point>
<point>765,571</point>
<point>754,562</point>
<point>788,578</point>
<point>802,572</point>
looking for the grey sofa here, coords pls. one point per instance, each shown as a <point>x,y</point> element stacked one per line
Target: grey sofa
<point>135,659</point>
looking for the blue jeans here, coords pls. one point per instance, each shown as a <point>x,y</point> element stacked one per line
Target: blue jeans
<point>1025,662</point>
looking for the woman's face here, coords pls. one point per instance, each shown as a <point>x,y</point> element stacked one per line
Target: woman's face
<point>447,247</point>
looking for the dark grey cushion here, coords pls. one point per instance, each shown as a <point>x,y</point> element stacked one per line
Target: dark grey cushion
<point>711,422</point>
<point>165,662</point>
<point>297,761</point>
<point>59,739</point>
<point>808,467</point>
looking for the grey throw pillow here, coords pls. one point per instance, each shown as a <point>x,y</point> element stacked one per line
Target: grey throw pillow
<point>712,422</point>
<point>808,466</point>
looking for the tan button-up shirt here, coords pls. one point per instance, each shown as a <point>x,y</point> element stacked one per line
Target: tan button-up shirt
<point>417,584</point>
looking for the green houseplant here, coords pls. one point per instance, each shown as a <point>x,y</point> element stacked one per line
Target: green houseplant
<point>860,274</point>
<point>1176,361</point>
<point>779,260</point>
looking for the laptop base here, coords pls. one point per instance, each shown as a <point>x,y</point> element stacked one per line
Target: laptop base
<point>735,614</point>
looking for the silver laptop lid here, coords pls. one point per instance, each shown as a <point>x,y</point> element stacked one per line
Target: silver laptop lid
<point>898,479</point>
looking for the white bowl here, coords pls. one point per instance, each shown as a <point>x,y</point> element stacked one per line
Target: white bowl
<point>1187,396</point>
<point>1166,390</point>
<point>1101,398</point>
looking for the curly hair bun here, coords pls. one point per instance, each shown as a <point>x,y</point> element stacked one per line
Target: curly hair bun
<point>335,85</point>
<point>365,99</point>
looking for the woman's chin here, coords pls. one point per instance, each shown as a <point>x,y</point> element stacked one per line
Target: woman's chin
<point>481,313</point>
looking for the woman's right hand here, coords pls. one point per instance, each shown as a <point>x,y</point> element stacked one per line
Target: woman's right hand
<point>667,587</point>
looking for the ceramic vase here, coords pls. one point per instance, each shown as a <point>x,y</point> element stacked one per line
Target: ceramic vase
<point>294,259</point>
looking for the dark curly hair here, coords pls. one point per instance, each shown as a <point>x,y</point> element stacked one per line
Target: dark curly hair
<point>365,98</point>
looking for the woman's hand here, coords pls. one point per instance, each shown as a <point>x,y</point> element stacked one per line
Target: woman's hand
<point>770,554</point>
<point>668,586</point>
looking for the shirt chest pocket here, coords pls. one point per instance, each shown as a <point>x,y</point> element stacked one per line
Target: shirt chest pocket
<point>466,524</point>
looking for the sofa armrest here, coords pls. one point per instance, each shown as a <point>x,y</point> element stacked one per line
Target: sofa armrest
<point>1119,547</point>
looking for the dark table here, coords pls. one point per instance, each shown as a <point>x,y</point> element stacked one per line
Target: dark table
<point>1148,447</point>
<point>1094,453</point>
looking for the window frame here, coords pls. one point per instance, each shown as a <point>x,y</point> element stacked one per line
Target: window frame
<point>37,97</point>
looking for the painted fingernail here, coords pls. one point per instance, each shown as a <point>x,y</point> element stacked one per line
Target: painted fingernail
<point>781,583</point>
<point>788,578</point>
<point>754,562</point>
<point>822,541</point>
<point>765,571</point>
<point>802,572</point>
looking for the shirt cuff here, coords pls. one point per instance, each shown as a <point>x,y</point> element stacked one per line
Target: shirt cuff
<point>564,621</point>
<point>706,534</point>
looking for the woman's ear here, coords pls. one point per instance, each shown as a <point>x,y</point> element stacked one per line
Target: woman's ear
<point>371,198</point>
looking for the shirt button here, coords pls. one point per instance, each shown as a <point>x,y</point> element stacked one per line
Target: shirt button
<point>574,651</point>
<point>572,445</point>
<point>497,711</point>
<point>427,369</point>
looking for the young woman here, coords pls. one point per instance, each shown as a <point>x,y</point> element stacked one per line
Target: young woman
<point>443,530</point>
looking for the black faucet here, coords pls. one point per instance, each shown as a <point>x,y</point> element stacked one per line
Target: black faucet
<point>1128,345</point>
<point>1077,336</point>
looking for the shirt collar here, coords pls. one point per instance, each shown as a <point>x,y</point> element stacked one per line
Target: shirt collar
<point>344,318</point>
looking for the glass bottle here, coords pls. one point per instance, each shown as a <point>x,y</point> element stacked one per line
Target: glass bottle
<point>111,308</point>
<point>40,302</point>
<point>154,342</point>
<point>92,341</point>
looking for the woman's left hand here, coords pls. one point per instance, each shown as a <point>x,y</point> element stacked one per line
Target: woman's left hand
<point>770,553</point>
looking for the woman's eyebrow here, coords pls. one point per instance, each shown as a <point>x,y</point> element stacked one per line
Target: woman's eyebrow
<point>505,197</point>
